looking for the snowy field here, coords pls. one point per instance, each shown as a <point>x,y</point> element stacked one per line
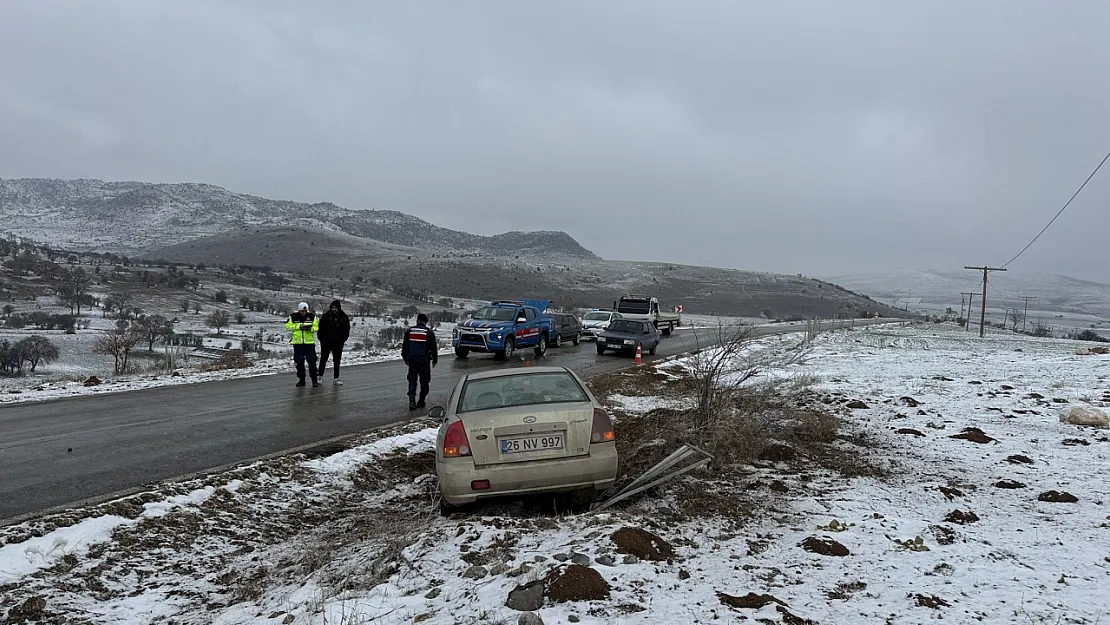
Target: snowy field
<point>958,531</point>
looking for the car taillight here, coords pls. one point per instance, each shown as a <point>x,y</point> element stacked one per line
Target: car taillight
<point>603,428</point>
<point>455,443</point>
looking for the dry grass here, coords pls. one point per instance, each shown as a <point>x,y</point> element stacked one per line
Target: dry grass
<point>235,359</point>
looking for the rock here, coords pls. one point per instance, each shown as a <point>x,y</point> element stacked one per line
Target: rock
<point>1035,396</point>
<point>1010,484</point>
<point>1085,415</point>
<point>1006,387</point>
<point>92,380</point>
<point>1100,350</point>
<point>631,559</point>
<point>683,574</point>
<point>909,431</point>
<point>288,620</point>
<point>529,618</point>
<point>499,569</point>
<point>175,374</point>
<point>538,559</point>
<point>1082,351</point>
<point>433,593</point>
<point>961,517</point>
<point>607,560</point>
<point>750,601</point>
<point>1055,496</point>
<point>33,609</point>
<point>576,583</point>
<point>974,435</point>
<point>934,602</point>
<point>779,487</point>
<point>526,598</point>
<point>950,492</point>
<point>975,382</point>
<point>580,559</point>
<point>1072,442</point>
<point>909,401</point>
<point>824,547</point>
<point>1019,459</point>
<point>777,453</point>
<point>642,544</point>
<point>561,557</point>
<point>476,572</point>
<point>573,618</point>
<point>857,405</point>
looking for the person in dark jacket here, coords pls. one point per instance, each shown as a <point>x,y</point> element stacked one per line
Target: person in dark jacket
<point>335,329</point>
<point>303,324</point>
<point>420,352</point>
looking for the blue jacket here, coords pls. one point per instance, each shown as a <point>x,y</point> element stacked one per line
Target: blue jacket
<point>420,345</point>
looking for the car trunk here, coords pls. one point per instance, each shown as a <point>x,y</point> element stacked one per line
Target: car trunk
<point>523,433</point>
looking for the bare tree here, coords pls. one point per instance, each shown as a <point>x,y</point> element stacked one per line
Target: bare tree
<point>1016,317</point>
<point>73,290</point>
<point>117,344</point>
<point>219,319</point>
<point>36,349</point>
<point>152,328</point>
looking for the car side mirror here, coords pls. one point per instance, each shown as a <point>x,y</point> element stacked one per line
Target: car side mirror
<point>437,412</point>
<point>521,320</point>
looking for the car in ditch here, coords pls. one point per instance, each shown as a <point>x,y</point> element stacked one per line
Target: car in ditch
<point>523,431</point>
<point>623,335</point>
<point>597,321</point>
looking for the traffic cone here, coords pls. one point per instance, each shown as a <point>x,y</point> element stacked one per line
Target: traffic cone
<point>639,355</point>
<point>527,363</point>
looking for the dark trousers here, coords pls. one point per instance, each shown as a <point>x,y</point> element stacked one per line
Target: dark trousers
<point>336,352</point>
<point>301,353</point>
<point>419,371</point>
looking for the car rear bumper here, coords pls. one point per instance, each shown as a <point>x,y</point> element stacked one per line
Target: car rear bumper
<point>597,470</point>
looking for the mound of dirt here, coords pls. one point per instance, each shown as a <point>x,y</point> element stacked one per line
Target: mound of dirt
<point>1010,484</point>
<point>934,602</point>
<point>910,431</point>
<point>33,609</point>
<point>1056,496</point>
<point>750,601</point>
<point>1019,459</point>
<point>777,453</point>
<point>824,547</point>
<point>576,583</point>
<point>642,544</point>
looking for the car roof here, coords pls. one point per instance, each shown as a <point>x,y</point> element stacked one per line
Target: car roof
<point>502,373</point>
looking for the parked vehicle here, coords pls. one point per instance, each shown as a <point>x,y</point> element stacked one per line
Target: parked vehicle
<point>523,431</point>
<point>624,335</point>
<point>567,328</point>
<point>502,327</point>
<point>646,308</point>
<point>596,321</point>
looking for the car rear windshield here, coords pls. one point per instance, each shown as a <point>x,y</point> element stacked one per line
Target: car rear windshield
<point>494,313</point>
<point>525,389</point>
<point>623,325</point>
<point>596,316</point>
<point>636,308</point>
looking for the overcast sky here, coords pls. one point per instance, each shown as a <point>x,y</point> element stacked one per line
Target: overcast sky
<point>816,137</point>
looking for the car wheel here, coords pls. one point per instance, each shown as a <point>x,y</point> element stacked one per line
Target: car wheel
<point>558,340</point>
<point>652,350</point>
<point>461,352</point>
<point>510,349</point>
<point>600,349</point>
<point>577,338</point>
<point>541,347</point>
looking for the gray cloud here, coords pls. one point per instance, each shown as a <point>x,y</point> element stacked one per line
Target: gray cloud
<point>814,137</point>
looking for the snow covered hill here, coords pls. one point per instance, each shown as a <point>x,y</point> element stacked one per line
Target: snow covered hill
<point>135,217</point>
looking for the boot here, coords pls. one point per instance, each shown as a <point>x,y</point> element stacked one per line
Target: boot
<point>420,404</point>
<point>300,382</point>
<point>315,382</point>
<point>412,403</point>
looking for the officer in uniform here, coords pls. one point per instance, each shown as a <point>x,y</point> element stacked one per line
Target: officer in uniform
<point>420,352</point>
<point>304,325</point>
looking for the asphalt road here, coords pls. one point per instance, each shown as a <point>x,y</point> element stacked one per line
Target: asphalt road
<point>123,441</point>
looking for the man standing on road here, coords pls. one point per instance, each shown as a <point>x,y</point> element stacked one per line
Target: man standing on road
<point>420,352</point>
<point>335,328</point>
<point>303,324</point>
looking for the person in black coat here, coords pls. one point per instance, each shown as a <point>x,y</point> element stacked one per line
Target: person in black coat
<point>335,329</point>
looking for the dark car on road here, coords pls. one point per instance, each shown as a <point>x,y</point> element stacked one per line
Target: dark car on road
<point>567,328</point>
<point>624,335</point>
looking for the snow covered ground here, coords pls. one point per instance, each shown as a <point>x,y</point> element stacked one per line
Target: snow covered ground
<point>957,530</point>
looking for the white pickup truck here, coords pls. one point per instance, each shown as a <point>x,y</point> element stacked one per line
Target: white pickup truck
<point>646,308</point>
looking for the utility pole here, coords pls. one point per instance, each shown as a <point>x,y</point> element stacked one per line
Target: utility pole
<point>1026,313</point>
<point>983,312</point>
<point>967,318</point>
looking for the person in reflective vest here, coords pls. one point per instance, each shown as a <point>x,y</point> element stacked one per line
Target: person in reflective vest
<point>303,324</point>
<point>420,352</point>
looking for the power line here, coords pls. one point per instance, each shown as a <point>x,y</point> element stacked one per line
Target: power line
<point>1060,212</point>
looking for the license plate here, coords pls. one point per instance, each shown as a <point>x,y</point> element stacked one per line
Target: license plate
<point>531,443</point>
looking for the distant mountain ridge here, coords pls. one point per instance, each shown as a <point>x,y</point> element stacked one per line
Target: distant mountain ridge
<point>1048,292</point>
<point>137,217</point>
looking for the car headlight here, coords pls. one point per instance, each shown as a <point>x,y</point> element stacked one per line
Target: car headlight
<point>497,336</point>
<point>629,342</point>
